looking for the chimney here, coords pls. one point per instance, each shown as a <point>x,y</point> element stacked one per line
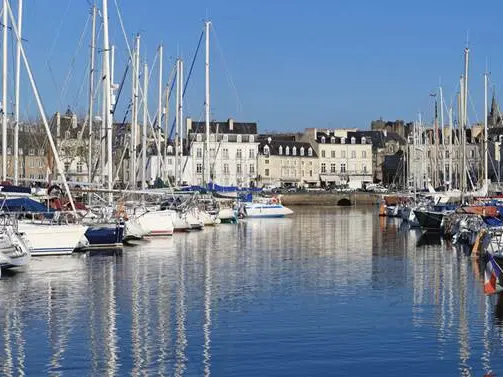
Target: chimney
<point>385,132</point>
<point>231,124</point>
<point>74,120</point>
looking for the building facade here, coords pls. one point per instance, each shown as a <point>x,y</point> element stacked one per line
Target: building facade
<point>232,153</point>
<point>284,162</point>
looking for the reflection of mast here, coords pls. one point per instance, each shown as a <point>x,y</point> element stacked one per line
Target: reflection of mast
<point>207,313</point>
<point>181,340</point>
<point>18,334</point>
<point>135,326</point>
<point>163,313</point>
<point>7,363</point>
<point>486,360</point>
<point>111,330</point>
<point>464,345</point>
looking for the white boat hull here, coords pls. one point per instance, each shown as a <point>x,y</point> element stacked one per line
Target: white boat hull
<point>47,239</point>
<point>157,223</point>
<point>266,210</point>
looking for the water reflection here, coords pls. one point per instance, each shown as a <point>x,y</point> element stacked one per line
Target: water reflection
<point>328,289</point>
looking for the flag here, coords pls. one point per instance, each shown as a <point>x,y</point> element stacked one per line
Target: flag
<point>491,277</point>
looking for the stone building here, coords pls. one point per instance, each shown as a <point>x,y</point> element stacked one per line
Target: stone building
<point>284,162</point>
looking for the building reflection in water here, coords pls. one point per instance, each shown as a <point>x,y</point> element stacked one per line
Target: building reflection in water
<point>160,309</point>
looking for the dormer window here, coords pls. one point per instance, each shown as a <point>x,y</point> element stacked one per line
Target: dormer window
<point>212,137</point>
<point>199,137</point>
<point>302,151</point>
<point>353,140</point>
<point>251,139</point>
<point>364,140</point>
<point>280,150</point>
<point>310,152</point>
<point>269,139</point>
<point>332,140</point>
<point>294,151</point>
<point>266,150</point>
<point>287,150</point>
<point>343,140</point>
<point>323,140</point>
<point>170,149</point>
<point>238,138</point>
<point>225,138</point>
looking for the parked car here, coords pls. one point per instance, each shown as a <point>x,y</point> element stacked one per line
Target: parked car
<point>376,188</point>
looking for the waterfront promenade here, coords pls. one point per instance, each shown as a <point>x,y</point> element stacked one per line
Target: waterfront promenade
<point>325,198</point>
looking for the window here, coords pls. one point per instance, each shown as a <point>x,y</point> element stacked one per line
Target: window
<point>31,163</point>
<point>251,139</point>
<point>40,163</point>
<point>199,168</point>
<point>199,152</point>
<point>79,167</point>
<point>428,154</point>
<point>323,140</point>
<point>332,168</point>
<point>353,140</point>
<point>238,168</point>
<point>266,150</point>
<point>472,153</point>
<point>239,153</point>
<point>364,154</point>
<point>170,149</point>
<point>20,151</point>
<point>323,154</point>
<point>212,137</point>
<point>266,172</point>
<point>266,162</point>
<point>353,154</point>
<point>302,151</point>
<point>239,138</point>
<point>280,150</point>
<point>310,152</point>
<point>41,152</point>
<point>199,137</point>
<point>225,153</point>
<point>332,154</point>
<point>226,169</point>
<point>343,167</point>
<point>225,138</point>
<point>9,151</point>
<point>287,150</point>
<point>251,153</point>
<point>310,173</point>
<point>332,140</point>
<point>252,169</point>
<point>212,152</point>
<point>343,154</point>
<point>323,167</point>
<point>294,151</point>
<point>446,154</point>
<point>343,140</point>
<point>67,166</point>
<point>364,140</point>
<point>365,169</point>
<point>170,161</point>
<point>392,149</point>
<point>31,152</point>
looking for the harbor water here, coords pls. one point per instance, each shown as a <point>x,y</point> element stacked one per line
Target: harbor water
<point>326,292</point>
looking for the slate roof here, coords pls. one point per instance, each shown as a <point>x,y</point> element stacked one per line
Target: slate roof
<point>243,128</point>
<point>275,144</point>
<point>337,140</point>
<point>378,138</point>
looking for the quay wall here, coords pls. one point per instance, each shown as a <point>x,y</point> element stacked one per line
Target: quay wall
<point>330,199</point>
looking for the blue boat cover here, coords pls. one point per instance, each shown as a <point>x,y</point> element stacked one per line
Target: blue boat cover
<point>493,221</point>
<point>25,205</point>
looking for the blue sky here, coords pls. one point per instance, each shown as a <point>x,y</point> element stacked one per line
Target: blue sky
<point>294,63</point>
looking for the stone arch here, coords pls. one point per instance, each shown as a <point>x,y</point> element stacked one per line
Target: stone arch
<point>344,202</point>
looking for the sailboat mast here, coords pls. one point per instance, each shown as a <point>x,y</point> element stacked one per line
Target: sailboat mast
<point>134,113</point>
<point>182,124</point>
<point>91,94</point>
<point>465,115</point>
<point>144,129</point>
<point>159,114</point>
<point>177,123</point>
<point>451,131</point>
<point>442,133</point>
<point>207,106</point>
<point>4,93</point>
<point>107,91</point>
<point>486,173</point>
<point>18,79</point>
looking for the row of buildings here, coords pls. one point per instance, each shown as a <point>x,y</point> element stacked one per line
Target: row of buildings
<point>236,154</point>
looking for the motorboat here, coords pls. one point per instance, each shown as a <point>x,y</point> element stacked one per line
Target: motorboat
<point>263,208</point>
